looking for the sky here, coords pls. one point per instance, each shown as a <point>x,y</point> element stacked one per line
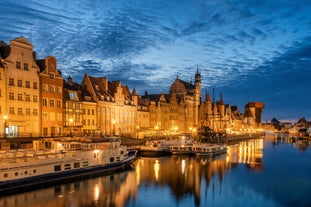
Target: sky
<point>246,50</point>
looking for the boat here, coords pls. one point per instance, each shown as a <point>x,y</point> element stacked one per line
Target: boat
<point>56,160</point>
<point>155,148</point>
<point>208,149</point>
<point>183,146</point>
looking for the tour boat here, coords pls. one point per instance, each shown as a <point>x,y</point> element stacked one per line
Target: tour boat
<point>54,160</point>
<point>208,149</point>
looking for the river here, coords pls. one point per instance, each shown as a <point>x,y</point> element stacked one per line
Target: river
<point>260,172</point>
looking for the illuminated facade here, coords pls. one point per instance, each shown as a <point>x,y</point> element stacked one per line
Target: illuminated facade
<point>177,111</point>
<point>51,98</point>
<point>116,112</point>
<point>72,105</point>
<point>20,92</point>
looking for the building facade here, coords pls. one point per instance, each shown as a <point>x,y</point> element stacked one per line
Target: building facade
<point>20,92</point>
<point>51,97</point>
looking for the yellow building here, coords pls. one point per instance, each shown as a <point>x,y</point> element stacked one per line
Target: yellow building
<point>89,114</point>
<point>20,80</point>
<point>116,112</point>
<point>51,97</point>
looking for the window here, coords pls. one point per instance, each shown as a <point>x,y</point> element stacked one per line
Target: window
<point>58,89</point>
<point>25,66</point>
<point>93,112</point>
<point>19,83</point>
<point>76,164</point>
<point>35,98</point>
<point>11,82</point>
<point>27,84</point>
<point>35,111</point>
<point>52,88</point>
<point>20,97</point>
<point>45,116</point>
<point>58,103</point>
<point>35,85</point>
<point>52,76</point>
<point>88,111</point>
<point>44,87</point>
<point>18,65</point>
<point>20,111</point>
<point>27,97</point>
<point>27,111</point>
<point>11,110</point>
<point>44,102</point>
<point>57,168</point>
<point>11,96</point>
<point>52,102</point>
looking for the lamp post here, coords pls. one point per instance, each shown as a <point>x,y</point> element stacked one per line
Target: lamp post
<point>137,128</point>
<point>5,117</point>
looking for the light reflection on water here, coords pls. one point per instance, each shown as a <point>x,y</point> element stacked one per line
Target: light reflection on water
<point>260,172</point>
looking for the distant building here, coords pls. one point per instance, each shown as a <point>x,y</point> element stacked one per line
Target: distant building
<point>252,116</point>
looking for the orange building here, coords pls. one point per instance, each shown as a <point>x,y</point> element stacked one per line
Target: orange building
<point>51,101</point>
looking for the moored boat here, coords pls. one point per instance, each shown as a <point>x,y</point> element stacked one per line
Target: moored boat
<point>55,160</point>
<point>208,149</point>
<point>156,148</point>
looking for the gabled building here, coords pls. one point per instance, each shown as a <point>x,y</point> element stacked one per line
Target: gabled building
<point>51,97</point>
<point>20,80</point>
<point>72,108</point>
<point>116,112</point>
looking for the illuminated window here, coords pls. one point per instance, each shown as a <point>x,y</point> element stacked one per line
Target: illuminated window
<point>52,88</point>
<point>27,111</point>
<point>19,96</point>
<point>58,103</point>
<point>27,97</point>
<point>44,87</point>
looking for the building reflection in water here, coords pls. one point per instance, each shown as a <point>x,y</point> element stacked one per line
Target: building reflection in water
<point>113,190</point>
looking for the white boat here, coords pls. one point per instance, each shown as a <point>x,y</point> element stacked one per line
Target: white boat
<point>208,149</point>
<point>155,148</point>
<point>51,161</point>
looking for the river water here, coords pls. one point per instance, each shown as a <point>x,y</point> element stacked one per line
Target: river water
<point>260,172</point>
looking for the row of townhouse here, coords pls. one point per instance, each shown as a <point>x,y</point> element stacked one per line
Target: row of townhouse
<point>36,101</point>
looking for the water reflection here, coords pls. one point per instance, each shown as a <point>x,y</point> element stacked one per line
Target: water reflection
<point>113,190</point>
<point>260,172</point>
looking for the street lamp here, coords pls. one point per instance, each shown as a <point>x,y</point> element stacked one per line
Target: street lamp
<point>5,117</point>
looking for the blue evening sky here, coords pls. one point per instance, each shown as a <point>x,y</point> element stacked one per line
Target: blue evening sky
<point>247,50</point>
